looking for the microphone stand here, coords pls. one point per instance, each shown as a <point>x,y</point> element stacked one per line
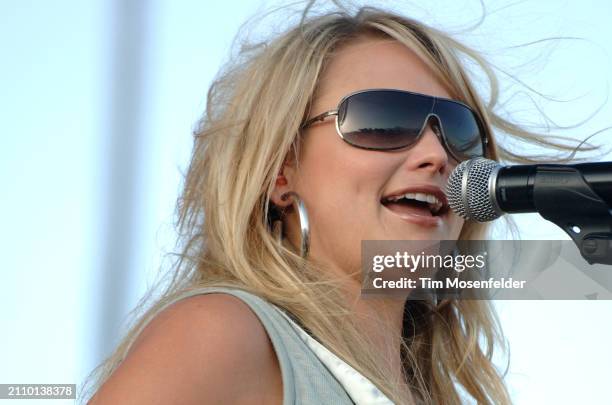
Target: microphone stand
<point>589,220</point>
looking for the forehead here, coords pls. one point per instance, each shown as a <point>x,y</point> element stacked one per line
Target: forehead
<point>367,63</point>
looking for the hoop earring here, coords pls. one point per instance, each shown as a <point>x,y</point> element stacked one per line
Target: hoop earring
<point>300,208</point>
<point>277,230</point>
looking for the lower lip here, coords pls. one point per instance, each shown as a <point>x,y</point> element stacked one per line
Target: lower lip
<point>427,221</point>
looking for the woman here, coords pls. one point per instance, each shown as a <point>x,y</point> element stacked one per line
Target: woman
<point>287,140</point>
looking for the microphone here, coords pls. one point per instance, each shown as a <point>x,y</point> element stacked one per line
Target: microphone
<point>483,190</point>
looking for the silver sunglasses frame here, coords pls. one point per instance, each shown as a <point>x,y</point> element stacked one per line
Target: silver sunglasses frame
<point>441,136</point>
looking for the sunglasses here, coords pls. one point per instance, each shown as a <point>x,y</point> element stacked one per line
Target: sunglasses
<point>388,119</point>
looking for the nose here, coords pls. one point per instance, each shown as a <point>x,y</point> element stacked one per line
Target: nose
<point>428,153</point>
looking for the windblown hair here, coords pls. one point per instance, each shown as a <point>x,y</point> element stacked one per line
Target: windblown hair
<point>252,122</point>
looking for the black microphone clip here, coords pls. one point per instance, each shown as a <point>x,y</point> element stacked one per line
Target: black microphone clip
<point>588,222</point>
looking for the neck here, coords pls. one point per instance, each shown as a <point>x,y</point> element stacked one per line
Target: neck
<point>381,319</point>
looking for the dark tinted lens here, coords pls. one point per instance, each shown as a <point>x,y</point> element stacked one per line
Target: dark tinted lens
<point>383,119</point>
<point>460,129</point>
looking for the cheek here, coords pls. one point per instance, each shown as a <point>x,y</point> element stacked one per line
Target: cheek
<point>342,176</point>
<point>341,185</point>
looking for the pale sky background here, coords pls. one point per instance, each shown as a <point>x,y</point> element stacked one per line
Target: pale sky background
<point>96,129</point>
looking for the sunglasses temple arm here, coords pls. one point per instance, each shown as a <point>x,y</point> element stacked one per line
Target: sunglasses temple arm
<point>320,117</point>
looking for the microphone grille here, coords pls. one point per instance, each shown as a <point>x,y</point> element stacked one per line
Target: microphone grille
<point>468,190</point>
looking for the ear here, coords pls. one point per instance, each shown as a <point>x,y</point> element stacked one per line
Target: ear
<point>285,182</point>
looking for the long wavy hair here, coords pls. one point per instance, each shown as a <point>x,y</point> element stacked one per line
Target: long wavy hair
<point>255,108</point>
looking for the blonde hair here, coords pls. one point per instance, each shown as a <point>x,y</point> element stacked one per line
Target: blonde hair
<point>254,112</point>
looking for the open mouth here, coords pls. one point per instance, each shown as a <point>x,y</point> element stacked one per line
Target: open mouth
<point>416,203</point>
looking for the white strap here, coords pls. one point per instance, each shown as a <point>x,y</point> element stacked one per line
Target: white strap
<point>361,390</point>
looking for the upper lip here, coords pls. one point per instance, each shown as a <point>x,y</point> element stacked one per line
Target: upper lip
<point>422,188</point>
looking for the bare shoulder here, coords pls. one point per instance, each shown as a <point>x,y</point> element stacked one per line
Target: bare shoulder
<point>208,348</point>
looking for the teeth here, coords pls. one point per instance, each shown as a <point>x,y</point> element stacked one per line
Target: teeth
<point>432,200</point>
<point>428,198</point>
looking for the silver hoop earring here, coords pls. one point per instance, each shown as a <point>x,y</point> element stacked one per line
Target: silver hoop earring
<point>300,208</point>
<point>277,230</point>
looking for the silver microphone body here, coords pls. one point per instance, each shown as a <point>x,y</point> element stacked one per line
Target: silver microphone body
<point>483,190</point>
